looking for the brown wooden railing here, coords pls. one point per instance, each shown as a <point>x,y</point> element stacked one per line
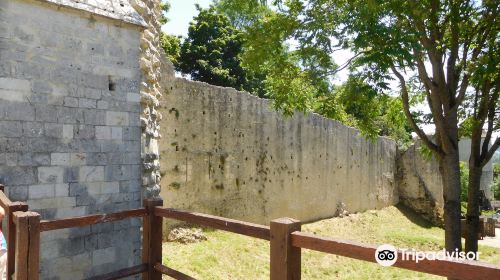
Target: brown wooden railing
<point>10,230</point>
<point>286,244</point>
<point>287,241</point>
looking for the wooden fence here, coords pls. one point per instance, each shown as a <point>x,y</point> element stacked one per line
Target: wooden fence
<point>286,244</point>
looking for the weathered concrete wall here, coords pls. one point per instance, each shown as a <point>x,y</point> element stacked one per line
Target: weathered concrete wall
<point>70,135</point>
<point>487,176</point>
<point>229,153</point>
<point>420,183</point>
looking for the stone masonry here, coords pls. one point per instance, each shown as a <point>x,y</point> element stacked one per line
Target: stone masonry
<point>154,76</point>
<point>229,153</point>
<point>70,126</point>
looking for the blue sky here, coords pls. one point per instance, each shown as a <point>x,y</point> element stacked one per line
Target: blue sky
<point>181,13</point>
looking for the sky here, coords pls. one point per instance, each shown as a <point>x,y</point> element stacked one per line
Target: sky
<point>180,14</point>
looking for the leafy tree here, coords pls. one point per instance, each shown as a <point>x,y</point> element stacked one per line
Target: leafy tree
<point>299,79</point>
<point>165,7</point>
<point>211,53</point>
<point>441,49</point>
<point>172,46</point>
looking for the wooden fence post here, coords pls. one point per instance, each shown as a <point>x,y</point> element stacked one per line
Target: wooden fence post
<point>11,235</point>
<point>285,259</point>
<point>152,239</point>
<point>34,246</point>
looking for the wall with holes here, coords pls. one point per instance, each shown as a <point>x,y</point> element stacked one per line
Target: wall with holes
<point>70,134</point>
<point>230,154</point>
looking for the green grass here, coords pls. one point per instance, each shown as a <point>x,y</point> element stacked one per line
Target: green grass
<point>231,256</point>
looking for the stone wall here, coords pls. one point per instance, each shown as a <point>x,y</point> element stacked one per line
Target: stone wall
<point>229,153</point>
<point>70,134</point>
<point>420,183</point>
<point>156,72</point>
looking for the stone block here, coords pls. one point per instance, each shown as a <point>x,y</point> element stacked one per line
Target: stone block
<point>117,118</point>
<point>78,159</point>
<point>11,129</point>
<point>55,202</point>
<point>116,133</point>
<point>101,104</point>
<point>104,256</point>
<point>103,132</point>
<point>16,111</point>
<point>45,113</point>
<point>61,159</point>
<point>52,175</point>
<point>33,129</point>
<point>61,190</point>
<point>84,132</point>
<point>53,130</point>
<point>41,191</point>
<point>91,174</point>
<point>67,131</point>
<point>87,103</point>
<point>97,159</point>
<point>71,102</point>
<point>71,174</point>
<point>70,115</point>
<point>41,86</point>
<point>17,193</point>
<point>17,175</point>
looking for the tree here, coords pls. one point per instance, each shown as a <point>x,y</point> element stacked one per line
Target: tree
<point>299,80</point>
<point>211,53</point>
<point>172,46</point>
<point>482,114</point>
<point>441,44</point>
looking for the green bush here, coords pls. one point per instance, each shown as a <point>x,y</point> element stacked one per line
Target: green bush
<point>464,181</point>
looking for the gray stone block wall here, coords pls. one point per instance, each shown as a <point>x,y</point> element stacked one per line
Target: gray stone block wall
<point>70,135</point>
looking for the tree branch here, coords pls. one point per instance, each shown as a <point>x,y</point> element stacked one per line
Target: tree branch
<point>487,157</point>
<point>406,106</point>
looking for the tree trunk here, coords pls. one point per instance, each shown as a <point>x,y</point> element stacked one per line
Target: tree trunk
<point>473,212</point>
<point>450,171</point>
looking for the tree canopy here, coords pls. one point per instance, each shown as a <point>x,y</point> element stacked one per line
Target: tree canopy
<point>446,51</point>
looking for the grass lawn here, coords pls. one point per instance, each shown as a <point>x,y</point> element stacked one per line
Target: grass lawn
<point>232,256</point>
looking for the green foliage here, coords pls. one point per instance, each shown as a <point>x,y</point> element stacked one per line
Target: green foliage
<point>211,53</point>
<point>172,46</point>
<point>165,7</point>
<point>241,13</point>
<point>299,76</point>
<point>495,186</point>
<point>464,181</point>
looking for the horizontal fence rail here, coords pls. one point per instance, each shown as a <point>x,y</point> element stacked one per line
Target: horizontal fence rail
<point>172,272</point>
<point>287,241</point>
<point>235,226</point>
<point>467,270</point>
<point>91,219</point>
<point>122,273</point>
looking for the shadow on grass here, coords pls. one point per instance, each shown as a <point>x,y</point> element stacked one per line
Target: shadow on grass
<point>413,216</point>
